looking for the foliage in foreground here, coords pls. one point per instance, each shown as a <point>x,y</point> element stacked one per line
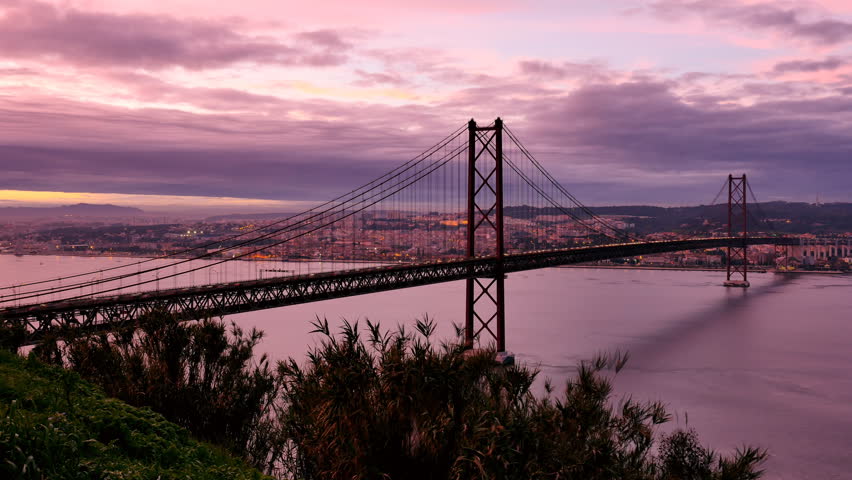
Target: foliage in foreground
<point>55,425</point>
<point>397,406</point>
<point>199,375</point>
<point>393,405</point>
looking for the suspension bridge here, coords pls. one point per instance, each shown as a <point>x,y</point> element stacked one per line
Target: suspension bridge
<point>476,206</point>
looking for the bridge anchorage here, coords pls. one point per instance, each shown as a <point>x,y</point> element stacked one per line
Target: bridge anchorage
<point>475,207</point>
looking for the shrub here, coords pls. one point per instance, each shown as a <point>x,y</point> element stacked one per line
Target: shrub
<point>199,375</point>
<point>391,404</point>
<point>55,425</point>
<point>397,406</point>
<point>12,336</point>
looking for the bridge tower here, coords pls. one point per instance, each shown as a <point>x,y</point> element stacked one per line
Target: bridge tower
<point>737,258</point>
<point>485,307</point>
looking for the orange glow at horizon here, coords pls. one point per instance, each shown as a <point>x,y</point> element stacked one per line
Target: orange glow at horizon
<point>46,198</point>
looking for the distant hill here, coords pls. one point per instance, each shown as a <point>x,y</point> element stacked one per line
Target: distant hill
<point>78,210</point>
<point>784,217</point>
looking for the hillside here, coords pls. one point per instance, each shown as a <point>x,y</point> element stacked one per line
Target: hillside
<point>785,217</point>
<point>55,425</point>
<point>78,210</point>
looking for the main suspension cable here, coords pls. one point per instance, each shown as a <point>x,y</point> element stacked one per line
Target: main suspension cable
<point>400,186</point>
<point>351,194</point>
<point>562,189</point>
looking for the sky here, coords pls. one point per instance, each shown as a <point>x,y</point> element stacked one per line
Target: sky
<point>190,102</point>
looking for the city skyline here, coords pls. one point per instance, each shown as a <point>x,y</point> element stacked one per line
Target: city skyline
<point>274,104</point>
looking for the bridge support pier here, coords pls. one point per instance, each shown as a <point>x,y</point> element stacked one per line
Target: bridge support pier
<point>737,257</point>
<point>485,309</point>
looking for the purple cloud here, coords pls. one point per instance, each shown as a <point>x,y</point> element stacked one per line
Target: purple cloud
<point>635,135</point>
<point>326,38</point>
<point>542,70</point>
<point>294,174</point>
<point>829,63</point>
<point>775,17</point>
<point>31,30</point>
<point>369,79</point>
<point>647,120</point>
<point>609,142</point>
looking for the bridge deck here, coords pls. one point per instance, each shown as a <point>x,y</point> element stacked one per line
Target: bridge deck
<point>109,312</point>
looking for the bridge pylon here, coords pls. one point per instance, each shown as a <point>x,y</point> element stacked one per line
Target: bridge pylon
<point>737,257</point>
<point>485,311</point>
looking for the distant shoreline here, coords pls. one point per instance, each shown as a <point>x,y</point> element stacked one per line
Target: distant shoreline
<point>184,257</point>
<point>708,269</point>
<point>608,267</point>
<point>644,267</point>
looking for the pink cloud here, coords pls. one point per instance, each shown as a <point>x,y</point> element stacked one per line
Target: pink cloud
<point>241,131</point>
<point>814,74</point>
<point>808,65</point>
<point>779,18</point>
<point>369,79</point>
<point>38,30</point>
<point>543,70</point>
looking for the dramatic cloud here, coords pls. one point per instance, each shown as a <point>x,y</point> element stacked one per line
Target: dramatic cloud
<point>553,71</point>
<point>369,79</point>
<point>80,147</point>
<point>830,63</point>
<point>294,174</point>
<point>617,135</point>
<point>646,120</point>
<point>779,18</point>
<point>276,107</point>
<point>40,30</point>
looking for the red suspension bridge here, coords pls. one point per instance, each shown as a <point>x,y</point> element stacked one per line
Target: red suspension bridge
<point>476,206</point>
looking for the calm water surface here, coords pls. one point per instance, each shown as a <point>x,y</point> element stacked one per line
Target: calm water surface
<point>768,366</point>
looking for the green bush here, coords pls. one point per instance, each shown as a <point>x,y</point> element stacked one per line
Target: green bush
<point>199,375</point>
<point>12,336</point>
<point>55,425</point>
<point>382,404</point>
<point>398,406</point>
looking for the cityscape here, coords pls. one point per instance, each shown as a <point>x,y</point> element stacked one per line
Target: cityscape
<point>416,236</point>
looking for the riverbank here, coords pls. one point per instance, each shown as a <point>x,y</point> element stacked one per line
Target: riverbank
<point>709,269</point>
<point>191,257</point>
<point>646,267</point>
<point>811,272</point>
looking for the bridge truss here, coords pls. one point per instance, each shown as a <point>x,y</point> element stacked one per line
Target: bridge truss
<point>110,313</point>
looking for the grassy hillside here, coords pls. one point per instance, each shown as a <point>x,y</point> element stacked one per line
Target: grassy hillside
<point>55,425</point>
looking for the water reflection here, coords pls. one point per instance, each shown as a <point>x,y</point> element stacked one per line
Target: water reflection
<point>769,365</point>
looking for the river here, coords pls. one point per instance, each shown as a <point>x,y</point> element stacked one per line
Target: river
<point>769,366</point>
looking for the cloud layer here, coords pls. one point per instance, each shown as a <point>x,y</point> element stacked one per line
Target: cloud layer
<point>162,104</point>
<point>781,18</point>
<point>33,29</point>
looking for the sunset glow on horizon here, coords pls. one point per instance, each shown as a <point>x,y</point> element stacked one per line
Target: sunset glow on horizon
<point>149,203</point>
